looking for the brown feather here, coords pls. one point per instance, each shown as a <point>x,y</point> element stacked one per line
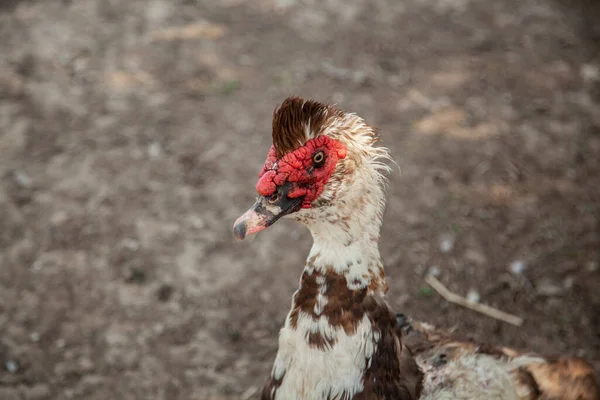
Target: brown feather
<point>292,117</point>
<point>270,388</point>
<point>565,378</point>
<point>393,373</point>
<point>344,308</point>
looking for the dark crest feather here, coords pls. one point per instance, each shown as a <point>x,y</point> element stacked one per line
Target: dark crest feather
<point>290,119</point>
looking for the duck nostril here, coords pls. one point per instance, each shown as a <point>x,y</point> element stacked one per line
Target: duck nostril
<point>273,198</point>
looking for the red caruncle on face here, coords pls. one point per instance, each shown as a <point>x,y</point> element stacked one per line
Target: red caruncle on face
<point>298,169</point>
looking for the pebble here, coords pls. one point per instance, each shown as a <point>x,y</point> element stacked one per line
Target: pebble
<point>85,364</point>
<point>475,257</point>
<point>158,328</point>
<point>155,151</point>
<point>446,243</point>
<point>59,218</point>
<point>545,287</point>
<point>569,282</point>
<point>11,366</point>
<point>434,271</point>
<point>34,336</point>
<point>23,179</point>
<point>131,244</point>
<point>473,296</point>
<point>92,380</point>
<point>37,265</point>
<point>517,267</point>
<point>590,72</point>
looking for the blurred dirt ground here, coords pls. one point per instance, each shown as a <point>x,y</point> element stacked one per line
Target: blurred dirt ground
<point>132,132</point>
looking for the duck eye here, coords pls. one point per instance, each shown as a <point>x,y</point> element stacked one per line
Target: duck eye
<point>318,158</point>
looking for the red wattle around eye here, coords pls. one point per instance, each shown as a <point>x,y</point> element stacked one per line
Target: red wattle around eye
<point>297,168</point>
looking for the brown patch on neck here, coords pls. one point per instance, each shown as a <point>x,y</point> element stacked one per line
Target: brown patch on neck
<point>291,118</point>
<point>344,306</point>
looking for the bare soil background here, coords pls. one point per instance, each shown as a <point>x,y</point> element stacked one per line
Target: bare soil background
<point>132,132</point>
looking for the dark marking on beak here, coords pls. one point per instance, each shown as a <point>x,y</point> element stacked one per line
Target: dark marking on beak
<point>265,212</point>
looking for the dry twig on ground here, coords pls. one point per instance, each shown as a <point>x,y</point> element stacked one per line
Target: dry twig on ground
<point>480,308</point>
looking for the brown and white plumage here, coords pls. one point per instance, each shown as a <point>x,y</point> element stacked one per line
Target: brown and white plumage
<point>459,368</point>
<point>340,339</point>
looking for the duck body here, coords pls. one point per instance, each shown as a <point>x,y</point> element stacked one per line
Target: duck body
<point>455,368</point>
<point>341,340</point>
<point>352,351</point>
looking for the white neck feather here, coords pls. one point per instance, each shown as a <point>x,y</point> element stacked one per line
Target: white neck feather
<point>346,244</point>
<point>346,236</point>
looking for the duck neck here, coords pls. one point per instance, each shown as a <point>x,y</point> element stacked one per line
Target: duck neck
<point>344,265</point>
<point>346,238</point>
<point>338,317</point>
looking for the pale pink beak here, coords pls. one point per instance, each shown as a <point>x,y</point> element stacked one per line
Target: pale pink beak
<point>249,223</point>
<point>265,212</point>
